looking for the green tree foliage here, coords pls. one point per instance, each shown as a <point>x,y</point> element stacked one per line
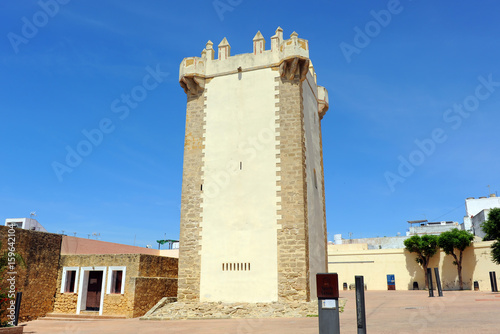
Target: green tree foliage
<point>454,243</point>
<point>492,229</point>
<point>425,247</point>
<point>6,259</point>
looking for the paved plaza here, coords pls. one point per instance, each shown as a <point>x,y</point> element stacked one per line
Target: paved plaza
<point>386,312</point>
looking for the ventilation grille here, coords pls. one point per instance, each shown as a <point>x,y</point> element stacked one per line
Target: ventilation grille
<point>236,266</point>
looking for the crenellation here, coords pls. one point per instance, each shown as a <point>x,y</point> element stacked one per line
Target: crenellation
<point>290,56</point>
<point>224,50</point>
<point>209,48</point>
<point>259,44</point>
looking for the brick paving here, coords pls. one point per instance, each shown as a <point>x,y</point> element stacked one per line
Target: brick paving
<point>387,312</point>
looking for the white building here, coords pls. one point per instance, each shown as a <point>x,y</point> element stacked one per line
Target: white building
<point>422,227</point>
<point>25,223</point>
<point>477,210</point>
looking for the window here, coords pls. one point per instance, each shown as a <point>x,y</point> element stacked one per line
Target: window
<point>69,277</point>
<point>116,280</point>
<point>236,266</point>
<point>315,179</point>
<point>70,281</point>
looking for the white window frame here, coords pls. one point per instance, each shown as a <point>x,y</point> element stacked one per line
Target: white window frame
<point>63,280</point>
<point>110,276</point>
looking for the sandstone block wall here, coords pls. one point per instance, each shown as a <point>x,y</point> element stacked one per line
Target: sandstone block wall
<point>37,282</point>
<point>148,279</point>
<point>149,291</point>
<point>65,302</point>
<point>158,266</point>
<point>293,255</point>
<point>192,180</point>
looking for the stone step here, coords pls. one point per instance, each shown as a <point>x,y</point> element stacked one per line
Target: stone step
<point>84,316</point>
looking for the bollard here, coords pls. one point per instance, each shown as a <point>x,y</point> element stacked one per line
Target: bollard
<point>327,288</point>
<point>17,307</point>
<point>429,279</point>
<point>493,281</point>
<point>360,304</point>
<point>438,282</point>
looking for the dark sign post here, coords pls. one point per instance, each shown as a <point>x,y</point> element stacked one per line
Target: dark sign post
<point>429,279</point>
<point>493,280</point>
<point>19,295</point>
<point>360,304</point>
<point>327,288</point>
<point>438,282</point>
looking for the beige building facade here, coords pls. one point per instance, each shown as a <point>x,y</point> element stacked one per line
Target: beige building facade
<point>113,284</point>
<point>349,260</point>
<point>253,224</point>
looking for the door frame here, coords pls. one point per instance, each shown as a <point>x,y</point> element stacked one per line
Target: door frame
<point>83,284</point>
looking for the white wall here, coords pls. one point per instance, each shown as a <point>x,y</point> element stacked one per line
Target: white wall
<point>240,206</point>
<point>27,224</point>
<point>477,220</point>
<point>317,247</point>
<point>474,205</point>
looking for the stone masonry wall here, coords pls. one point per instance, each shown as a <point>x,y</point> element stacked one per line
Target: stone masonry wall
<point>148,279</point>
<point>65,302</point>
<point>149,290</point>
<point>323,187</point>
<point>158,266</point>
<point>37,281</point>
<point>192,179</point>
<point>113,304</point>
<point>293,254</point>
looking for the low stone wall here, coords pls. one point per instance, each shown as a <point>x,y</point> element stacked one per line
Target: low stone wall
<point>37,281</point>
<point>118,304</point>
<point>149,290</point>
<point>181,310</point>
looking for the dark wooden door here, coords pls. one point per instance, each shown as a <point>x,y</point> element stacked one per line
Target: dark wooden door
<point>94,291</point>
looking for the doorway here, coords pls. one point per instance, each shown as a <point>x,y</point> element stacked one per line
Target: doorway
<point>91,289</point>
<point>94,291</point>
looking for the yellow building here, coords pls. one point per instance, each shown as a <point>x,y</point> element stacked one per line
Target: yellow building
<point>349,260</point>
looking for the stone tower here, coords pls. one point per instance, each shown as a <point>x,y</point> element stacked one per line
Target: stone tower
<point>253,224</point>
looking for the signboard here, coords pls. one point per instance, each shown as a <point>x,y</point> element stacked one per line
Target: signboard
<point>327,286</point>
<point>329,303</point>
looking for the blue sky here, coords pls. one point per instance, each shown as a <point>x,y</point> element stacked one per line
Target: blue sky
<point>411,132</point>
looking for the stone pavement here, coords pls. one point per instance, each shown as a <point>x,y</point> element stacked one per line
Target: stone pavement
<point>387,312</point>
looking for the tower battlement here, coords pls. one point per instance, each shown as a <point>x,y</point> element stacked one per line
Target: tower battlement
<point>290,57</point>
